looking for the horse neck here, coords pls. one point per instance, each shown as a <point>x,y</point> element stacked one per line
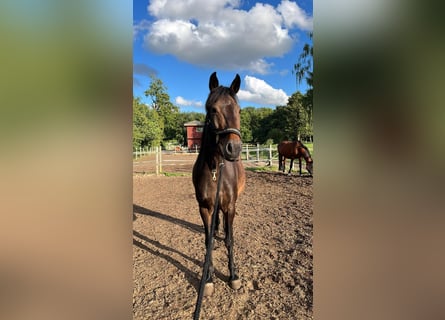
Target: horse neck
<point>305,153</point>
<point>208,151</point>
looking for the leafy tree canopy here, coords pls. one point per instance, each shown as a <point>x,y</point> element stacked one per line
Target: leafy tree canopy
<point>147,125</point>
<point>161,103</point>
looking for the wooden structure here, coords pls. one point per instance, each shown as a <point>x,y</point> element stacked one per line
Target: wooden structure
<point>194,134</point>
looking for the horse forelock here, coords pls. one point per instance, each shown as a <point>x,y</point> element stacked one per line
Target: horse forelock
<point>217,94</point>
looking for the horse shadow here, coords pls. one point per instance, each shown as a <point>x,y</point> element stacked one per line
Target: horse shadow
<point>192,277</point>
<point>186,224</point>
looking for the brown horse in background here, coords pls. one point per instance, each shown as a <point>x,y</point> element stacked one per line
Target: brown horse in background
<point>220,146</point>
<point>292,150</point>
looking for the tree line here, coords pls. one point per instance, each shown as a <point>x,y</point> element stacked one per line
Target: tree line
<point>161,121</point>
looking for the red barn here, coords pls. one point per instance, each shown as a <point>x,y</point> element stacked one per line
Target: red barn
<point>194,134</point>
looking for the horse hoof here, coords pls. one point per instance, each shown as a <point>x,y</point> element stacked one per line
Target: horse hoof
<point>208,289</point>
<point>235,284</point>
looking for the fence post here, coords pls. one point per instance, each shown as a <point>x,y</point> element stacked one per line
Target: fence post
<point>257,152</point>
<point>157,160</point>
<point>247,152</point>
<point>160,159</point>
<point>270,155</point>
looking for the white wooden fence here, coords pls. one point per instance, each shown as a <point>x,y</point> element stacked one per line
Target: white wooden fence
<point>138,153</point>
<point>157,151</point>
<point>259,153</point>
<point>250,155</point>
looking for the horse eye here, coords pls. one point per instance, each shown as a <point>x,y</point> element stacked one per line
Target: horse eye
<point>213,110</point>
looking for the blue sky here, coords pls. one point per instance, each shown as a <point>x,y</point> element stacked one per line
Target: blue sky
<point>183,42</point>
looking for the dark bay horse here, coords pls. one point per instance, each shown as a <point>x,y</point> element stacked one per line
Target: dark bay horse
<point>292,150</point>
<point>220,146</point>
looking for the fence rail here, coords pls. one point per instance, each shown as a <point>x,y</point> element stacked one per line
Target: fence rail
<point>250,155</point>
<point>138,153</point>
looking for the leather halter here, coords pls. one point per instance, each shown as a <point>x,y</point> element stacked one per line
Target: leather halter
<point>217,132</point>
<point>228,130</point>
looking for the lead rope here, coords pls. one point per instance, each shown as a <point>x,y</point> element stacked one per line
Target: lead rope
<point>205,270</point>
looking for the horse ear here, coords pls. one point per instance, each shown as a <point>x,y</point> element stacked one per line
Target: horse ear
<point>236,83</point>
<point>213,82</point>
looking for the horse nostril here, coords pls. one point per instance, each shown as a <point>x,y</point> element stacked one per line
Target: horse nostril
<point>229,148</point>
<point>232,150</point>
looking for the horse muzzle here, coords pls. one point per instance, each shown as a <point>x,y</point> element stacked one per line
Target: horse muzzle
<point>310,169</point>
<point>232,150</point>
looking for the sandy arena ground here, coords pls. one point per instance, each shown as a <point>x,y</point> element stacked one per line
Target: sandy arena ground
<point>273,248</point>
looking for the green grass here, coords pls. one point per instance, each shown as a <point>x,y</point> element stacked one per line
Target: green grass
<point>262,169</point>
<point>176,174</point>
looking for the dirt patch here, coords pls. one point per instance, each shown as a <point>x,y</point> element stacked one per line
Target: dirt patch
<point>273,250</point>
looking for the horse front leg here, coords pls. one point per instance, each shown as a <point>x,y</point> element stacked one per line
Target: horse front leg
<point>234,281</point>
<point>207,219</point>
<point>299,163</point>
<point>291,165</point>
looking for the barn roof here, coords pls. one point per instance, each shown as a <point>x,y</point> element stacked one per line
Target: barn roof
<point>194,123</point>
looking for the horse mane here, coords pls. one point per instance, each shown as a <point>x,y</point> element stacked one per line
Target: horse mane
<point>303,146</point>
<point>306,149</point>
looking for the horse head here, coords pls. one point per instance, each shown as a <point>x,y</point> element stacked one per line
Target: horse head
<point>223,117</point>
<point>310,166</point>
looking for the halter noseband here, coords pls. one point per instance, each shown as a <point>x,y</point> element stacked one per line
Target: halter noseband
<point>211,126</point>
<point>228,130</point>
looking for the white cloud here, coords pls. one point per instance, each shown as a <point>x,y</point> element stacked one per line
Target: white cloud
<point>214,33</point>
<point>187,103</point>
<point>294,15</point>
<point>260,92</point>
<point>141,27</point>
<point>191,9</point>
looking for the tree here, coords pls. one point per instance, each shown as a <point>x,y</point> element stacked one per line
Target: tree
<point>304,67</point>
<point>147,125</point>
<point>258,123</point>
<point>304,70</point>
<point>167,111</point>
<point>246,128</point>
<point>275,135</point>
<point>289,122</point>
<point>280,125</point>
<point>299,126</point>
